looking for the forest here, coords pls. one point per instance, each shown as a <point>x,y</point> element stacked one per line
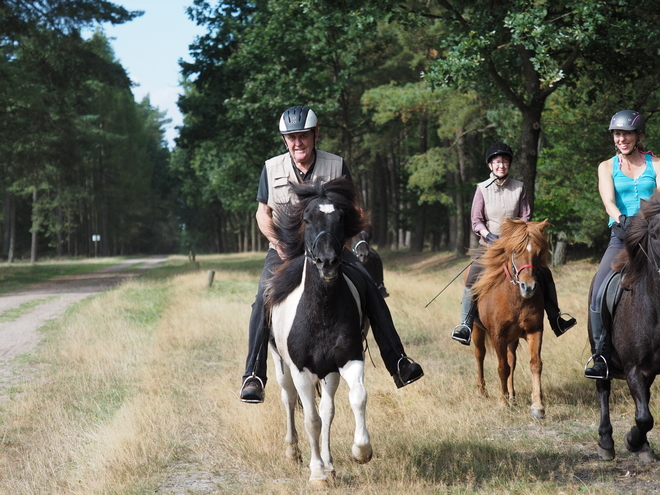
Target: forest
<point>409,92</point>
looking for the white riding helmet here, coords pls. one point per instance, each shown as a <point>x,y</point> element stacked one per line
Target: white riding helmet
<point>298,119</point>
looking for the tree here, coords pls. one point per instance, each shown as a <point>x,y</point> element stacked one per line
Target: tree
<point>524,51</point>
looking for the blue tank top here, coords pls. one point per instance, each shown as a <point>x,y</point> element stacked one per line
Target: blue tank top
<point>628,192</point>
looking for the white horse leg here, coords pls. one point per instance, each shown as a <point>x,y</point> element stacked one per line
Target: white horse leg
<point>353,373</point>
<point>289,397</point>
<point>305,384</point>
<point>327,410</point>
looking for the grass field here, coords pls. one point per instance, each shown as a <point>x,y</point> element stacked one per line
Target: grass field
<point>136,391</point>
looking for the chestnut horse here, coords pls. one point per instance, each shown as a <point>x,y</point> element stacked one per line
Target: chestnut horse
<point>317,324</point>
<point>510,306</point>
<point>635,331</point>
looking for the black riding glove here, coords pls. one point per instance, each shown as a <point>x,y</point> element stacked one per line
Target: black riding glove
<point>620,227</point>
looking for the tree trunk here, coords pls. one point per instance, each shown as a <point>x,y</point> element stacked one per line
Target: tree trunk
<point>459,177</point>
<point>559,253</point>
<point>12,228</point>
<point>35,226</point>
<point>381,232</point>
<point>527,157</point>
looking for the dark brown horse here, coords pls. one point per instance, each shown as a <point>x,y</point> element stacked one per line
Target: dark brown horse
<point>510,306</point>
<point>635,331</point>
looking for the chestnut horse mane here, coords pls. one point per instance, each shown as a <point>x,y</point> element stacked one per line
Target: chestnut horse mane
<point>515,237</point>
<point>633,257</point>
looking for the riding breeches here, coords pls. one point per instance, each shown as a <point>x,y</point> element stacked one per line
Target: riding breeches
<point>255,363</point>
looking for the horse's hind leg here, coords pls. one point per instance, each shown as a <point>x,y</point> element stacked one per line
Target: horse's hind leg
<point>512,359</point>
<point>605,441</point>
<point>635,439</point>
<point>353,373</point>
<point>327,411</point>
<point>289,397</point>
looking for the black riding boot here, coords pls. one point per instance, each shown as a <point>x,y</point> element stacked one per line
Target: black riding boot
<point>603,348</point>
<point>463,331</point>
<point>558,324</point>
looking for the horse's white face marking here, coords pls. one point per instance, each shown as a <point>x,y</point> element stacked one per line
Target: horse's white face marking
<point>327,208</point>
<point>529,248</point>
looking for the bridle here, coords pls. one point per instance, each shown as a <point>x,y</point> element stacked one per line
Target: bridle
<point>311,252</point>
<point>654,253</point>
<point>516,271</point>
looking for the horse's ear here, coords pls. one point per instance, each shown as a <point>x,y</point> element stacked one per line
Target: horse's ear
<point>545,224</point>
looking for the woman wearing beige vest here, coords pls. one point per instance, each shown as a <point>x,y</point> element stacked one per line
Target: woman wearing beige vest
<point>497,198</point>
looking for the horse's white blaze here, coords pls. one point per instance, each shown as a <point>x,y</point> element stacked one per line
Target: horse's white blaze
<point>330,208</point>
<point>283,314</point>
<point>529,248</point>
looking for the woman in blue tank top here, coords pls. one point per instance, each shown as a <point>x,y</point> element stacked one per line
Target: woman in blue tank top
<point>623,181</point>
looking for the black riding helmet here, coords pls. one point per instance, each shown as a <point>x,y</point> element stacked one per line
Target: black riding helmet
<point>627,120</point>
<point>298,119</point>
<point>499,148</point>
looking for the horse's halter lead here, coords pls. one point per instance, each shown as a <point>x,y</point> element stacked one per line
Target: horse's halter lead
<point>516,271</point>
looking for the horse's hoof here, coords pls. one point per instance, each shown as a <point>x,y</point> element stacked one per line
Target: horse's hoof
<point>646,454</point>
<point>605,454</point>
<point>319,484</point>
<point>362,455</point>
<point>637,450</point>
<point>538,413</point>
<point>293,454</point>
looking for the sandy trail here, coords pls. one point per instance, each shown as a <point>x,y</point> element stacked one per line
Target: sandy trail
<point>20,335</point>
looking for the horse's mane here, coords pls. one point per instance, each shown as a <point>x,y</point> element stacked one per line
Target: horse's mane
<point>633,257</point>
<point>288,222</point>
<point>516,235</point>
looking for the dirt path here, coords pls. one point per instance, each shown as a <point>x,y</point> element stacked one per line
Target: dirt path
<point>51,299</point>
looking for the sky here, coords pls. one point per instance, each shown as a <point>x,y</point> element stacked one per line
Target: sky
<point>149,48</point>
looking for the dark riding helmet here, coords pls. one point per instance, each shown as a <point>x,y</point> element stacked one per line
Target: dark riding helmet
<point>297,119</point>
<point>627,120</point>
<point>498,148</point>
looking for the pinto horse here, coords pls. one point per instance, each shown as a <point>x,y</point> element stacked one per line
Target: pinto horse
<point>510,306</point>
<point>635,331</point>
<point>370,259</point>
<point>317,325</point>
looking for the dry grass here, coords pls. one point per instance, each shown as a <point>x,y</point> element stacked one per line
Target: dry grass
<point>137,392</point>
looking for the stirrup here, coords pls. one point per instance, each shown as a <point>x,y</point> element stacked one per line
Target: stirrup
<point>254,400</point>
<point>571,321</point>
<point>595,359</point>
<point>456,334</point>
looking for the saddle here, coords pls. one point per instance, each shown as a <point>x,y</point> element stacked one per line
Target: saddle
<point>609,297</point>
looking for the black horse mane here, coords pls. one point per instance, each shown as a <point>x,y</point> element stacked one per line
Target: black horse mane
<point>288,222</point>
<point>289,228</point>
<point>634,257</point>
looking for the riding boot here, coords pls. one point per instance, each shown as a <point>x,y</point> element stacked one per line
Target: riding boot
<point>463,331</point>
<point>603,348</point>
<point>403,369</point>
<point>558,324</point>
